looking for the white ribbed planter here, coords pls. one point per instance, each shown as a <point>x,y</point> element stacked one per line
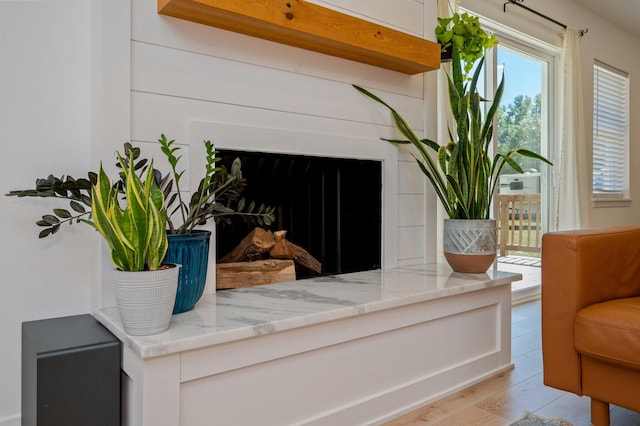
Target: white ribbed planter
<point>470,245</point>
<point>145,299</point>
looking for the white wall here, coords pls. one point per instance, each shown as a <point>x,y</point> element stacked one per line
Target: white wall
<point>604,42</point>
<point>44,117</point>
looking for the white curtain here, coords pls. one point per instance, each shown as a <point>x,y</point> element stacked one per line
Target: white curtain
<point>573,189</point>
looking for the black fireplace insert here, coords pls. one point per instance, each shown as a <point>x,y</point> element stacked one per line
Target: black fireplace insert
<point>332,207</point>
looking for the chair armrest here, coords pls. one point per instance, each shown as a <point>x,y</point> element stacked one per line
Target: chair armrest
<point>580,268</point>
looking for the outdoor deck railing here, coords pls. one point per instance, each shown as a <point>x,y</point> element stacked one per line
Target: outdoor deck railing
<point>519,223</point>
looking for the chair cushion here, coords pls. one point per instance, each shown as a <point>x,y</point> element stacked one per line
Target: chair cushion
<point>610,331</point>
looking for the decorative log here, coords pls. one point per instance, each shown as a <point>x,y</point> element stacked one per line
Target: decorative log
<point>252,247</point>
<point>284,249</point>
<point>248,274</point>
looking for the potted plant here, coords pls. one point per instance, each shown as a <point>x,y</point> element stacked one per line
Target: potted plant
<point>463,31</point>
<point>145,287</point>
<point>462,171</point>
<point>218,197</point>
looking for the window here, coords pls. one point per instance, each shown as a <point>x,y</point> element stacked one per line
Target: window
<point>610,133</point>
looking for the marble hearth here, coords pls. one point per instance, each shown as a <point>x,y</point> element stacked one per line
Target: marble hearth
<point>356,348</point>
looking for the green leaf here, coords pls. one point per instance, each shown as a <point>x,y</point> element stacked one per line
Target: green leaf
<point>45,233</point>
<point>458,41</point>
<point>62,213</point>
<point>77,207</point>
<point>236,168</point>
<point>43,185</point>
<point>93,178</point>
<point>50,219</point>
<point>60,191</point>
<point>84,184</point>
<point>107,216</point>
<point>443,22</point>
<point>429,166</point>
<point>172,199</point>
<point>397,141</point>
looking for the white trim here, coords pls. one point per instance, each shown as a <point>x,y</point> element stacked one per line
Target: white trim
<point>277,140</point>
<point>526,42</point>
<point>549,54</point>
<point>11,420</point>
<point>610,202</point>
<point>526,295</point>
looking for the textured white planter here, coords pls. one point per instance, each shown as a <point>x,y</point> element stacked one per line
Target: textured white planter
<point>145,299</point>
<point>470,245</point>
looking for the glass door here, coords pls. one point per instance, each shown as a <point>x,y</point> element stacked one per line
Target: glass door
<point>522,123</point>
<point>524,120</point>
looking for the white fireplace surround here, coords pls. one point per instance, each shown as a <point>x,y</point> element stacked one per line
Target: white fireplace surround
<point>379,340</point>
<point>353,349</point>
<point>284,141</point>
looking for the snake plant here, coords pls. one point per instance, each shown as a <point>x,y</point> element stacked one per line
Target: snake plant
<point>462,171</point>
<point>136,232</point>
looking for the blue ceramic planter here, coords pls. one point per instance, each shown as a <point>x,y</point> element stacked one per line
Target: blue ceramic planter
<point>192,252</point>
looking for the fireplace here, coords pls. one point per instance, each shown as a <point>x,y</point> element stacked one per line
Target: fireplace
<point>349,154</point>
<point>332,207</point>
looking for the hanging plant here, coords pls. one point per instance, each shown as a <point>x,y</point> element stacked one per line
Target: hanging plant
<point>464,31</point>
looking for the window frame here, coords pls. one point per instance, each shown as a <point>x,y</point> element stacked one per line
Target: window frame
<point>550,102</point>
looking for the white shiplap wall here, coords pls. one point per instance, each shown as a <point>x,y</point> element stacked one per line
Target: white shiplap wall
<point>80,77</point>
<point>183,72</point>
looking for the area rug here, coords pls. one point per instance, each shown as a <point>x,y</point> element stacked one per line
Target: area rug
<point>533,420</point>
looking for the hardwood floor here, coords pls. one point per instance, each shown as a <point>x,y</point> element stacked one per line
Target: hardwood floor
<point>506,397</point>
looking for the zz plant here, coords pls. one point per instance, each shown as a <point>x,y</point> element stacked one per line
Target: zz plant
<point>76,191</point>
<point>218,196</point>
<point>136,232</point>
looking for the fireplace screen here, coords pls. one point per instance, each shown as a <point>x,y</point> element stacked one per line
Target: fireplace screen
<point>329,206</point>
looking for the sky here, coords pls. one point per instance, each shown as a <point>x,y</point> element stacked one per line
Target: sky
<point>523,76</point>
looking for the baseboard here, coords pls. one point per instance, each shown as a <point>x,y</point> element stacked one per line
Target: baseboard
<point>11,421</point>
<point>525,295</point>
<point>407,392</point>
<point>441,395</point>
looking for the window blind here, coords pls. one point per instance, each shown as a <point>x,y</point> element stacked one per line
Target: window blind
<point>610,132</point>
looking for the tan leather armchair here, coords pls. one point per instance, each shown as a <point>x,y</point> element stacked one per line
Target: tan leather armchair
<point>591,316</point>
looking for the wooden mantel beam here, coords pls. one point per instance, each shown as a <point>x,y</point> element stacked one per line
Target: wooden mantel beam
<point>309,26</point>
